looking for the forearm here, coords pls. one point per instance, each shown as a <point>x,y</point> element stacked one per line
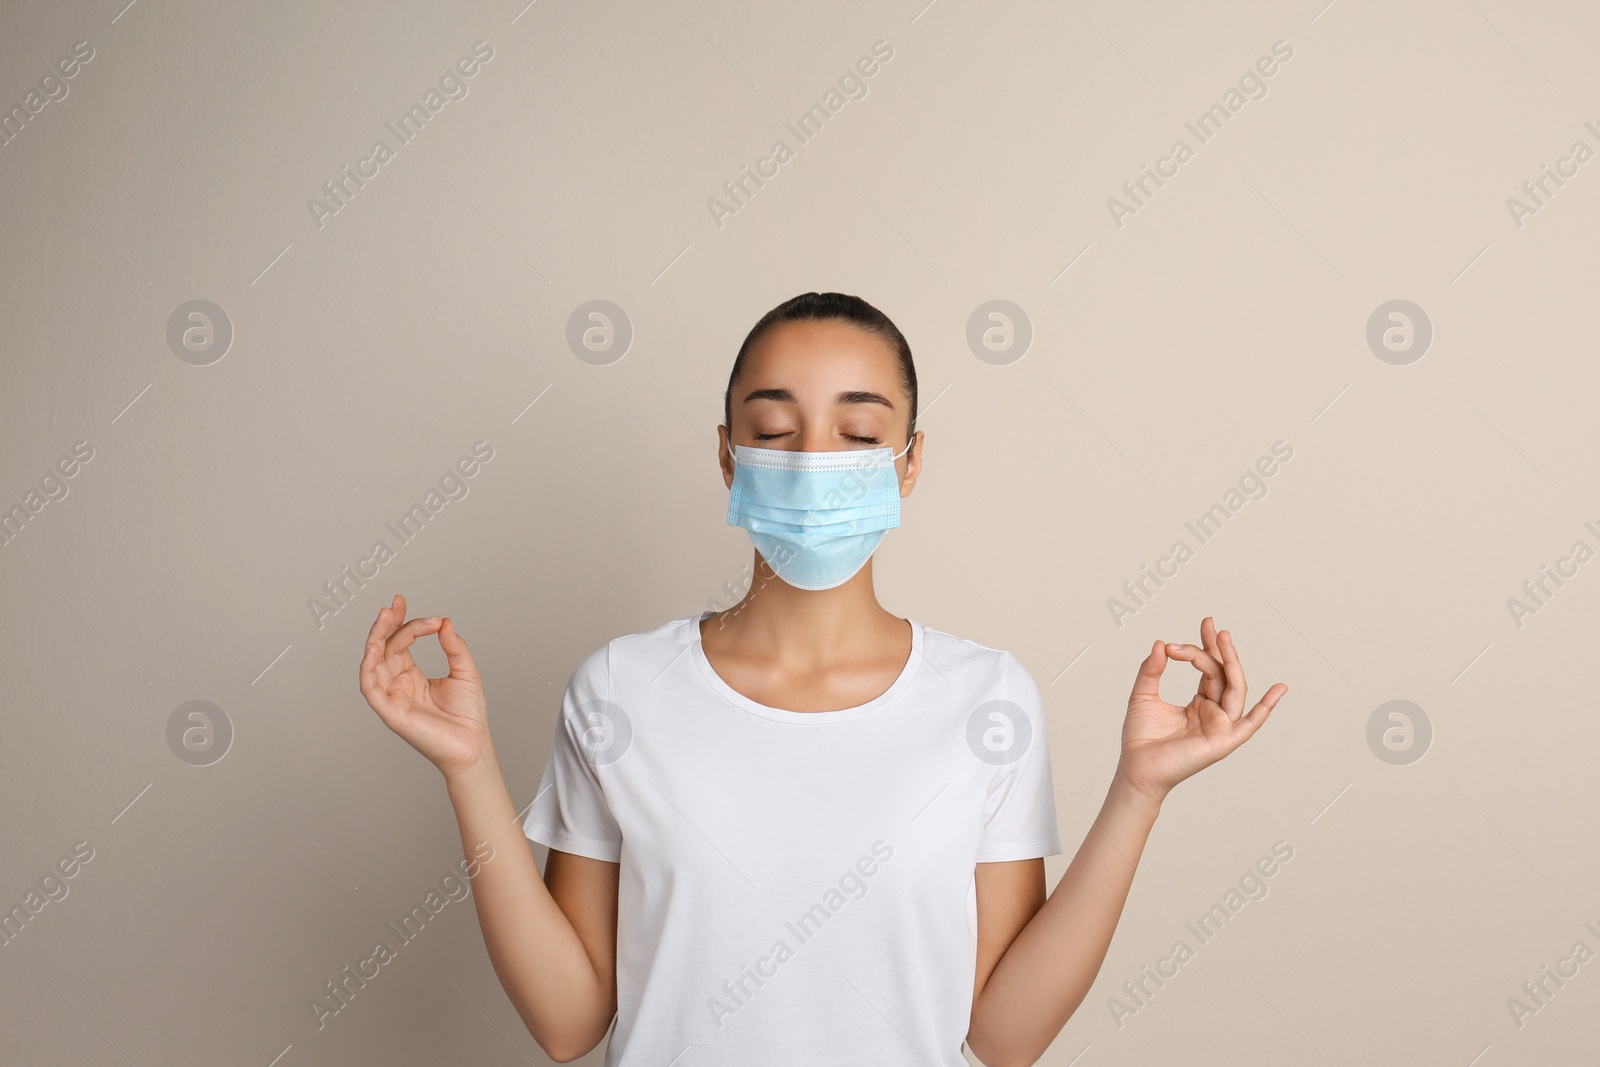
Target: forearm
<point>1047,970</point>
<point>536,953</point>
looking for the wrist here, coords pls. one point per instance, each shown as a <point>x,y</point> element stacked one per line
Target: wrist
<point>1125,793</point>
<point>485,768</point>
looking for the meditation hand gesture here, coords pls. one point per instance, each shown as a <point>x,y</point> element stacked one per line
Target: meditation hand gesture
<point>445,719</point>
<point>1162,744</point>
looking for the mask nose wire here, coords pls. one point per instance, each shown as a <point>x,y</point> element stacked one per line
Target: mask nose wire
<point>734,456</point>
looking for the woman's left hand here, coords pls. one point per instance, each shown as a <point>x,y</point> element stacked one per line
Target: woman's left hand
<point>1162,744</point>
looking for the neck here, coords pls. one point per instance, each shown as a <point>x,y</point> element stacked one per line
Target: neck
<point>813,625</point>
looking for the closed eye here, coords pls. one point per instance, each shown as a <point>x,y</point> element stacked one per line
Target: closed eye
<point>853,437</point>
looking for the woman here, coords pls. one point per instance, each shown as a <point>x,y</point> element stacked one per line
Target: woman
<point>802,830</point>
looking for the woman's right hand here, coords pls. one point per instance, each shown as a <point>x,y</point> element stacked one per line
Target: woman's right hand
<point>445,719</point>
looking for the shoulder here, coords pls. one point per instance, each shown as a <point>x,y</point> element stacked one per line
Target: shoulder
<point>628,656</point>
<point>994,668</point>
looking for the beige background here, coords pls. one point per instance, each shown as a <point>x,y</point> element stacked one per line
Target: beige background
<point>1228,313</point>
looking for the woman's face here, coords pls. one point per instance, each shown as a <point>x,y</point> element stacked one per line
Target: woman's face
<point>821,386</point>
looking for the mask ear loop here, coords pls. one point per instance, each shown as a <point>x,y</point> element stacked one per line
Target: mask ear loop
<point>897,455</point>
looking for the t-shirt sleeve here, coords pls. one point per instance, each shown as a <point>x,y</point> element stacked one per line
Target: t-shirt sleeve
<point>1020,813</point>
<point>569,812</point>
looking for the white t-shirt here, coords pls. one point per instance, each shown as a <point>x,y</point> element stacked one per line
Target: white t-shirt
<point>796,888</point>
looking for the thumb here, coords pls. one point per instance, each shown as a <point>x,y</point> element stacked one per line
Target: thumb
<point>1147,685</point>
<point>456,653</point>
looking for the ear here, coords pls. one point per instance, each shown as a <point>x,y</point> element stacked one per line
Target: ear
<point>913,465</point>
<point>725,456</point>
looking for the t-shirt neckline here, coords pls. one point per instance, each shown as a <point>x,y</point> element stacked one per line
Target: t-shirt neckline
<point>765,711</point>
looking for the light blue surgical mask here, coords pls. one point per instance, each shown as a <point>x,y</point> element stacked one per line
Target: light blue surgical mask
<point>815,517</point>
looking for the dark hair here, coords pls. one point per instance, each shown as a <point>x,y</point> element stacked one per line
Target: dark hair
<point>840,307</point>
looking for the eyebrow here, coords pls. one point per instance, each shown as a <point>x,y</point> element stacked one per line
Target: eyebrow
<point>852,396</point>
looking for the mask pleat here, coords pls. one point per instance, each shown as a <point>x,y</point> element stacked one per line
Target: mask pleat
<point>816,517</point>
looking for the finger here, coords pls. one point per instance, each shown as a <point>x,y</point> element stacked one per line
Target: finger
<point>1211,670</point>
<point>367,671</point>
<point>401,640</point>
<point>1213,644</point>
<point>375,677</point>
<point>1147,683</point>
<point>373,672</point>
<point>1233,696</point>
<point>456,654</point>
<point>1263,708</point>
<point>388,618</point>
<point>1208,638</point>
